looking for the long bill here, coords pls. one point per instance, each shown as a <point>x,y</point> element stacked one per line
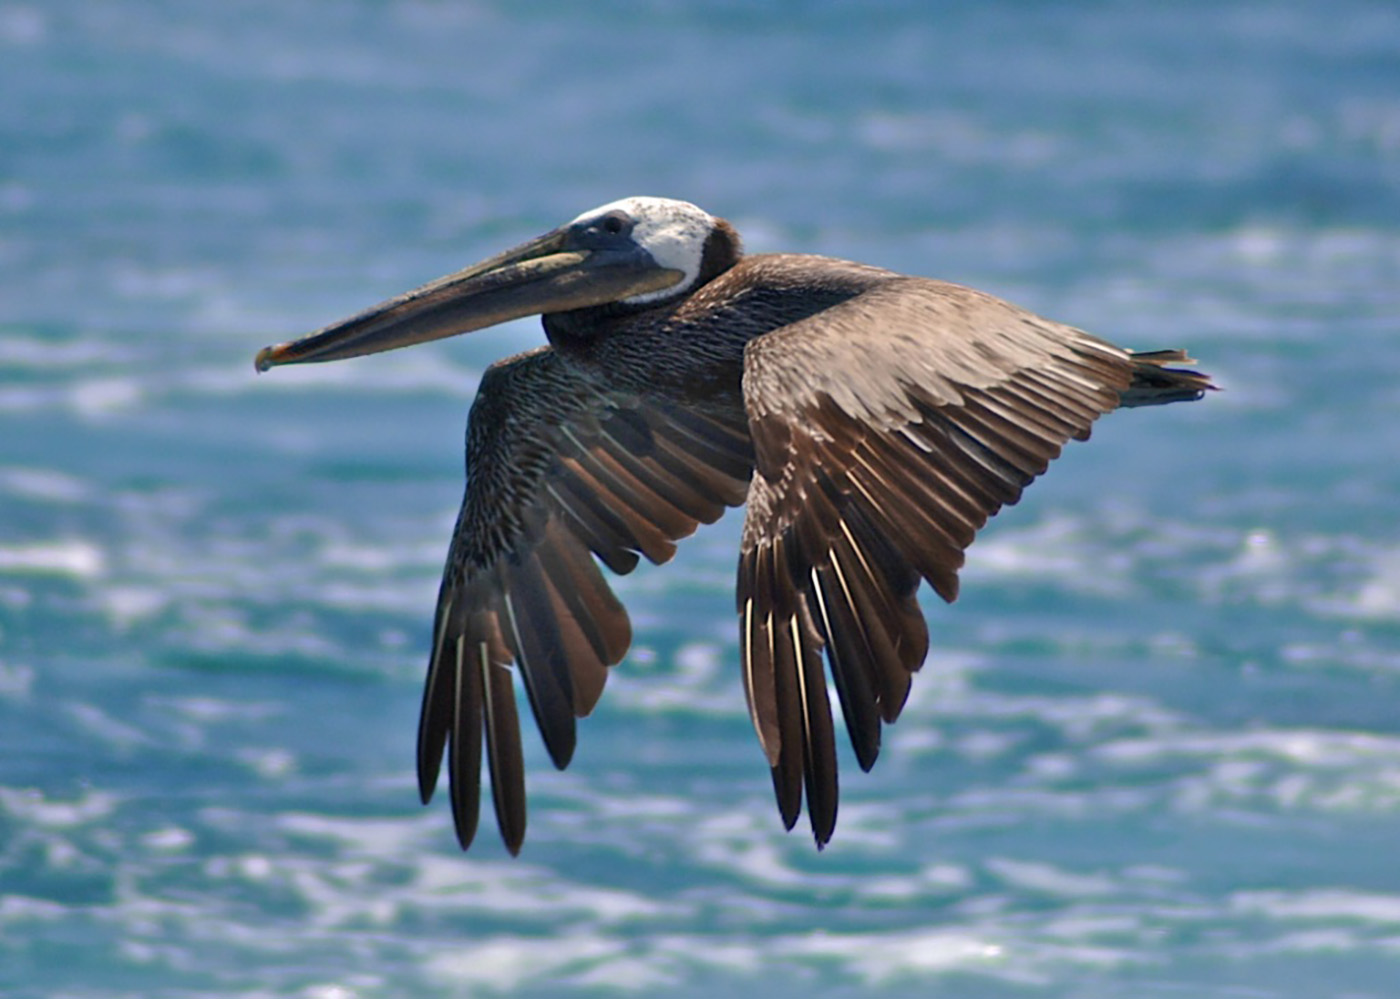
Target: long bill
<point>542,276</point>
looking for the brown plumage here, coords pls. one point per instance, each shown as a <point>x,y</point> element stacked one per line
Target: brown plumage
<point>871,421</point>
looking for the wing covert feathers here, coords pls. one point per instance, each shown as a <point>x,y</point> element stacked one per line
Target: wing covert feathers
<point>559,470</point>
<point>886,431</point>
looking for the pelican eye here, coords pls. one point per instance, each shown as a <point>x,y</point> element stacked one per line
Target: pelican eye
<point>615,223</point>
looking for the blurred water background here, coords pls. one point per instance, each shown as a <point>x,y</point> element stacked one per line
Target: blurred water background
<point>1156,749</point>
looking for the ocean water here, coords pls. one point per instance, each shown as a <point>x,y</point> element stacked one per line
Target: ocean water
<point>1156,748</point>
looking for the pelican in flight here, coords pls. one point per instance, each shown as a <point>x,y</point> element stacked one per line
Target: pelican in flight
<point>871,421</point>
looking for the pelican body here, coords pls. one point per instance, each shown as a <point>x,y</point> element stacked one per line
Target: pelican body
<point>871,421</point>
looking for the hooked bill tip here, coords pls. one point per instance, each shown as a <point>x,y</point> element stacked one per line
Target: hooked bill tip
<point>266,359</point>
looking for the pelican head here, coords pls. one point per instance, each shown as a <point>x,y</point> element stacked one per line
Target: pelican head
<point>634,253</point>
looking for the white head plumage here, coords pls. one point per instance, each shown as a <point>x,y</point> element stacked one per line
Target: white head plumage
<point>673,232</point>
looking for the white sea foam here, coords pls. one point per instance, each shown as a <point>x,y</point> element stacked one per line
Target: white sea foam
<point>506,963</point>
<point>517,889</point>
<point>33,807</point>
<point>76,557</point>
<point>16,908</point>
<point>880,958</point>
<point>168,839</point>
<point>325,990</point>
<point>48,485</point>
<point>127,605</point>
<point>1308,747</point>
<point>580,958</point>
<point>874,959</point>
<point>1062,548</point>
<point>1378,596</point>
<point>270,763</point>
<point>702,681</point>
<point>223,627</point>
<point>1317,771</point>
<point>413,599</point>
<point>375,559</point>
<point>93,398</point>
<point>1321,904</point>
<point>739,844</point>
<point>357,882</point>
<point>103,727</point>
<point>41,353</point>
<point>1042,878</point>
<point>207,710</point>
<point>938,880</point>
<point>96,398</point>
<point>1080,719</point>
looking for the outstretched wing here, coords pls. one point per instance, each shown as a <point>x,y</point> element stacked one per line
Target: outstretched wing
<point>557,467</point>
<point>886,430</point>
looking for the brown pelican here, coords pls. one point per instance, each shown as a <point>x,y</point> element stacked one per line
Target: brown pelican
<point>871,421</point>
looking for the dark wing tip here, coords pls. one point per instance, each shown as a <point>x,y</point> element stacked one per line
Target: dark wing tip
<point>787,789</point>
<point>513,836</point>
<point>823,824</point>
<point>465,818</point>
<point>561,752</point>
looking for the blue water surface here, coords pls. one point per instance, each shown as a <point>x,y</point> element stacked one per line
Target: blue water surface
<point>1156,748</point>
